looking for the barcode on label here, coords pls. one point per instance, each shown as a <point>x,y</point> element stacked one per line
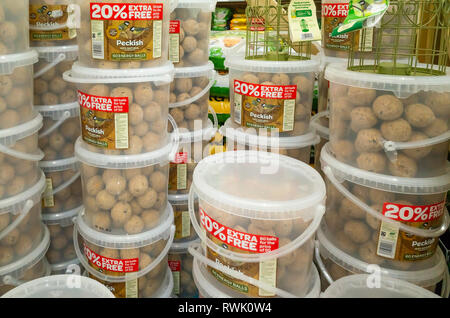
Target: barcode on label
<point>237,108</point>
<point>97,50</point>
<point>306,36</point>
<point>386,249</point>
<point>387,240</point>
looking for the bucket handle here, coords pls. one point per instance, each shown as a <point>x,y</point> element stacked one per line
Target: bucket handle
<point>21,155</point>
<point>254,258</point>
<point>315,121</point>
<point>67,183</point>
<point>21,215</point>
<point>120,279</point>
<point>194,251</point>
<point>416,231</point>
<point>175,138</point>
<point>323,270</point>
<point>58,123</point>
<point>212,81</point>
<point>173,5</point>
<point>61,57</point>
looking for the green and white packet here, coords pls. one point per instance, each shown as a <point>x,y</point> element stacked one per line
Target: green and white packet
<point>303,25</point>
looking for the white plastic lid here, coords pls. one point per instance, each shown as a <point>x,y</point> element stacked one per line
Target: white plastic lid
<point>204,134</point>
<point>240,136</point>
<point>64,218</point>
<point>355,286</point>
<point>425,278</point>
<point>9,136</point>
<point>17,268</point>
<point>331,59</point>
<point>88,75</point>
<point>64,266</point>
<point>60,286</point>
<point>321,130</point>
<point>205,5</point>
<point>50,53</point>
<point>9,62</point>
<point>123,241</point>
<point>401,86</point>
<point>194,71</point>
<point>83,154</point>
<point>238,62</point>
<point>55,112</point>
<point>182,247</point>
<point>209,287</point>
<point>59,165</point>
<point>263,168</point>
<point>384,182</point>
<point>18,201</point>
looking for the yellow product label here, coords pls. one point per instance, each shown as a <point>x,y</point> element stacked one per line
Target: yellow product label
<point>126,31</point>
<point>47,197</point>
<point>49,23</point>
<point>178,172</point>
<point>303,25</point>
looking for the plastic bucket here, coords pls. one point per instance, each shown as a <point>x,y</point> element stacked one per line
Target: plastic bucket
<point>297,147</point>
<point>390,221</point>
<point>394,125</point>
<point>184,231</point>
<point>272,94</point>
<point>320,123</point>
<point>70,267</point>
<point>190,25</point>
<point>253,215</point>
<point>15,37</point>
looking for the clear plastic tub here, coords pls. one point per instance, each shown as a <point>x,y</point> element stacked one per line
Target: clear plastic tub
<point>287,87</point>
<point>61,286</point>
<point>324,84</point>
<point>60,225</point>
<point>20,223</point>
<point>395,125</point>
<point>319,124</point>
<point>16,88</point>
<point>362,286</point>
<point>297,147</point>
<point>258,214</point>
<point>123,111</point>
<point>14,36</point>
<point>334,263</point>
<point>189,96</point>
<point>19,157</point>
<point>138,39</point>
<point>208,286</point>
<point>389,221</point>
<point>124,194</point>
<point>49,85</point>
<point>190,25</point>
<point>51,23</point>
<point>192,147</point>
<point>63,186</point>
<point>133,265</point>
<point>70,267</point>
<point>60,130</point>
<point>184,231</point>
<point>180,263</point>
<point>31,266</point>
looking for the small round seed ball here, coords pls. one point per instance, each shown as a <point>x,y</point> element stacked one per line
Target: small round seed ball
<point>11,238</point>
<point>7,173</point>
<point>129,253</point>
<point>138,185</point>
<point>4,221</point>
<point>148,199</point>
<point>361,96</point>
<point>437,127</point>
<point>8,32</point>
<point>438,103</point>
<point>143,94</point>
<point>380,197</point>
<point>343,150</point>
<point>158,181</point>
<point>105,200</point>
<point>418,153</point>
<point>110,173</point>
<point>189,44</point>
<point>123,92</point>
<point>40,86</point>
<point>70,129</point>
<point>362,118</point>
<point>403,166</point>
<point>280,79</point>
<point>57,141</point>
<point>345,243</point>
<point>369,140</point>
<point>101,221</point>
<point>23,245</point>
<point>110,253</point>
<point>283,228</point>
<point>349,210</point>
<point>151,218</point>
<point>57,85</point>
<point>89,171</point>
<point>250,78</point>
<point>371,161</point>
<point>190,27</point>
<point>99,90</point>
<point>419,115</point>
<point>304,84</point>
<point>49,99</point>
<point>135,114</point>
<point>136,145</point>
<point>16,186</point>
<point>396,130</point>
<point>341,107</point>
<point>387,107</point>
<point>152,112</point>
<point>6,255</point>
<point>121,213</point>
<point>192,112</point>
<point>134,225</point>
<point>116,184</point>
<point>357,231</point>
<point>368,253</point>
<point>58,242</point>
<point>183,85</point>
<point>94,185</point>
<point>372,221</point>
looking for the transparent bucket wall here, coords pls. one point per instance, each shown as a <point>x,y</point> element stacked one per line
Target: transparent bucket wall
<point>59,144</point>
<point>67,197</point>
<point>14,26</point>
<point>184,283</point>
<point>61,248</point>
<point>184,231</point>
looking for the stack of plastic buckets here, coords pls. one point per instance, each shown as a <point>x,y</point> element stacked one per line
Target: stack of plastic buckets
<point>24,239</point>
<point>123,234</point>
<point>189,105</point>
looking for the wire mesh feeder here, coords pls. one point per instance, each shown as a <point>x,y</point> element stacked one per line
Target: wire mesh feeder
<point>412,39</point>
<point>268,33</point>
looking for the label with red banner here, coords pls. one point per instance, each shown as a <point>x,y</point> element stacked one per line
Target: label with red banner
<point>175,41</point>
<point>413,213</point>
<point>174,27</point>
<point>240,240</point>
<point>111,264</point>
<point>175,267</point>
<point>49,22</point>
<point>264,106</point>
<point>104,120</point>
<point>181,157</point>
<point>335,10</point>
<point>126,31</point>
<point>257,24</point>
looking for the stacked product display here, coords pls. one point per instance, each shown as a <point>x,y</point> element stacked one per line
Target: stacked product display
<point>24,239</point>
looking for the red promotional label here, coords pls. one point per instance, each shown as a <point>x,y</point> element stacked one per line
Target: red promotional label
<point>244,241</point>
<point>265,91</point>
<point>181,157</point>
<point>103,104</point>
<point>335,10</point>
<point>413,213</point>
<point>126,11</point>
<point>174,27</point>
<point>257,24</point>
<point>175,266</point>
<point>110,264</point>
